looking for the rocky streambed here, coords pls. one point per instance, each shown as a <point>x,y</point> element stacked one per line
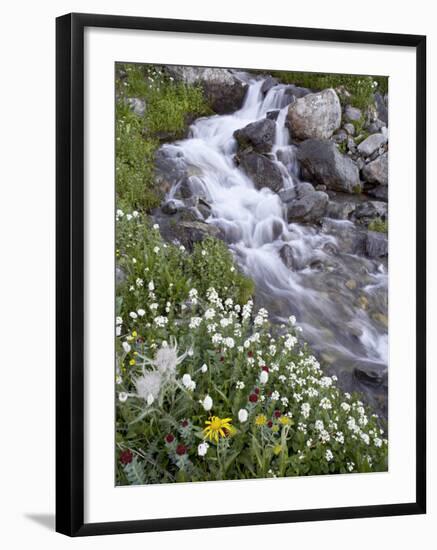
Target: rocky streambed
<point>281,175</point>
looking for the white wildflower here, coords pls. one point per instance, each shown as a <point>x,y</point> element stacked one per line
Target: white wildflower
<point>328,455</point>
<point>133,314</point>
<point>151,286</point>
<point>126,347</point>
<point>195,322</point>
<point>209,314</point>
<point>325,403</point>
<point>243,415</point>
<point>122,396</point>
<point>202,448</point>
<point>305,409</point>
<point>207,403</point>
<point>204,368</point>
<point>161,321</point>
<point>141,312</point>
<point>263,377</point>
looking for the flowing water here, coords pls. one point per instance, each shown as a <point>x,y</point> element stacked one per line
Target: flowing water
<point>338,321</point>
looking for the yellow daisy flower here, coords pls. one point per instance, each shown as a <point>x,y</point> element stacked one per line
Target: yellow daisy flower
<point>261,420</point>
<point>285,421</point>
<point>217,427</point>
<point>132,362</point>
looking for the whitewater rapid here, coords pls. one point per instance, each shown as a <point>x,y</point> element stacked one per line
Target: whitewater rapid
<point>255,226</point>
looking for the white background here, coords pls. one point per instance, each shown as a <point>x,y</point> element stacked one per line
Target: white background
<point>27,304</point>
<point>104,502</point>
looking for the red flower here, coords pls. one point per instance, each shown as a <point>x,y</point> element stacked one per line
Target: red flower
<point>277,414</point>
<point>169,438</point>
<point>184,423</point>
<point>222,359</point>
<point>256,390</point>
<point>181,449</point>
<point>126,457</point>
<point>269,423</point>
<point>253,398</point>
<point>250,354</point>
<point>265,368</point>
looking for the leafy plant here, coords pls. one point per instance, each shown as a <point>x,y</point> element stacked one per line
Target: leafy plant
<point>377,224</point>
<point>168,106</point>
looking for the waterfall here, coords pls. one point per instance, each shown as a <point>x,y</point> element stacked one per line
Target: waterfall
<point>256,229</point>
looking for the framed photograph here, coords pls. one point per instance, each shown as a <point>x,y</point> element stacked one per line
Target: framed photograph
<point>240,274</point>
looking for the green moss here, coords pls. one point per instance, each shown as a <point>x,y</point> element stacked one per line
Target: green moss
<point>360,87</point>
<point>357,189</point>
<point>169,107</point>
<point>379,225</point>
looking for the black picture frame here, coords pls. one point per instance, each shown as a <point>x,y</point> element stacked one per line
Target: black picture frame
<point>70,273</point>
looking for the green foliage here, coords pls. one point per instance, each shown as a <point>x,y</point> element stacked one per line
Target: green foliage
<point>297,421</point>
<point>211,264</point>
<point>379,225</point>
<point>135,472</point>
<point>360,87</point>
<point>168,108</point>
<point>144,256</point>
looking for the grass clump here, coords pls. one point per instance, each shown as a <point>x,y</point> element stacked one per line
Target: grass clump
<point>379,225</point>
<point>360,87</point>
<point>169,106</point>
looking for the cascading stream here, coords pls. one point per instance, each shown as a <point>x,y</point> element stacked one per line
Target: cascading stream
<point>255,227</point>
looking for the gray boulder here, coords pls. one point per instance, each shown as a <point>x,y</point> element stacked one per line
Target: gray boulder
<point>315,115</point>
<point>310,208</point>
<point>370,373</point>
<point>340,137</point>
<point>288,194</point>
<point>138,106</point>
<point>170,167</point>
<point>190,232</point>
<point>261,170</point>
<point>371,210</point>
<point>371,144</point>
<point>339,210</point>
<point>376,244</point>
<point>321,162</point>
<point>381,103</point>
<point>269,83</point>
<point>120,275</point>
<point>223,90</point>
<point>258,135</point>
<point>272,115</point>
<point>350,238</point>
<point>303,188</point>
<point>377,170</point>
<point>295,92</point>
<point>350,128</point>
<point>380,192</point>
<point>351,114</point>
<point>169,208</point>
